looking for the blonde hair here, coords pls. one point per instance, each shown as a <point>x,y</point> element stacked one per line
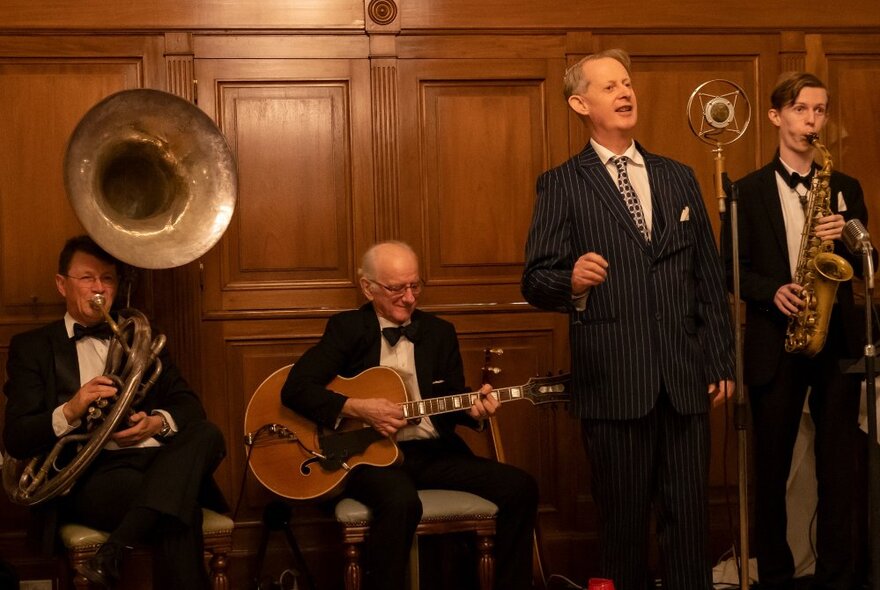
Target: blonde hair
<point>574,75</point>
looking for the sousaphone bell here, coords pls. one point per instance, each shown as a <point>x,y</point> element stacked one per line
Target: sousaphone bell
<point>153,181</point>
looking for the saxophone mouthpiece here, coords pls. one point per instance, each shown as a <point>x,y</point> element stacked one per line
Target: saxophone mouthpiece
<point>812,138</point>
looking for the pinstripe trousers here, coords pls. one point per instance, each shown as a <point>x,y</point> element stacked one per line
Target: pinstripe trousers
<point>659,460</point>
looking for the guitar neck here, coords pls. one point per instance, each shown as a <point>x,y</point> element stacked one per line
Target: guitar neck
<point>454,403</point>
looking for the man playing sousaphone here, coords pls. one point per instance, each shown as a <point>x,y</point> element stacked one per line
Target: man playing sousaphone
<point>149,482</point>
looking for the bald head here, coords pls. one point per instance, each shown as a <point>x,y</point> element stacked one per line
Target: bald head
<point>390,279</point>
<point>383,257</point>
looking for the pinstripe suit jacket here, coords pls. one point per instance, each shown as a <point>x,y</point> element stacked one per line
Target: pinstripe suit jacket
<point>661,316</point>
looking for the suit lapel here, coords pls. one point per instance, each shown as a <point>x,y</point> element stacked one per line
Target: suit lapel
<point>662,207</point>
<point>424,357</point>
<point>66,363</point>
<point>592,168</point>
<point>773,209</point>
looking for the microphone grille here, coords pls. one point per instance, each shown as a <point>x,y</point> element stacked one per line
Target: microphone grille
<point>718,112</point>
<point>854,234</point>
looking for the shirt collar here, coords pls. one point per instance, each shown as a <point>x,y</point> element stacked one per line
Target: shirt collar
<point>605,155</point>
<point>68,324</point>
<point>384,323</point>
<point>791,170</point>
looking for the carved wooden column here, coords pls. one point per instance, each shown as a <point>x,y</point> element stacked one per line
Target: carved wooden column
<point>383,26</point>
<point>792,51</point>
<point>176,291</point>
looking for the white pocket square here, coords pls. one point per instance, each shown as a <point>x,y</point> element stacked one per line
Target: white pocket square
<point>685,214</point>
<point>438,382</point>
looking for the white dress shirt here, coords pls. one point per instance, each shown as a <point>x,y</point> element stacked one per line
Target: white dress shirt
<point>91,353</point>
<point>401,357</point>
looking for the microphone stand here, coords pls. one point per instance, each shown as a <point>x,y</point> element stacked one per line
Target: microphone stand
<point>740,406</point>
<point>871,399</point>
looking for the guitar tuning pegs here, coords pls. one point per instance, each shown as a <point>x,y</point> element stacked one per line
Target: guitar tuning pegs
<point>496,351</point>
<point>493,370</point>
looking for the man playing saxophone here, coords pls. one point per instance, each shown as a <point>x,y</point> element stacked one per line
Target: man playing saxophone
<point>773,212</point>
<point>147,484</point>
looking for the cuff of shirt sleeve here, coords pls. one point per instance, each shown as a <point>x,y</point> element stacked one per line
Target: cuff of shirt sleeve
<point>580,301</point>
<point>59,422</point>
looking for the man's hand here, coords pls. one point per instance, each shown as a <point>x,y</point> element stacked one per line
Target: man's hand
<point>383,415</point>
<point>721,391</point>
<point>830,227</point>
<point>485,405</point>
<point>77,406</point>
<point>788,298</point>
<point>141,427</point>
<point>589,270</point>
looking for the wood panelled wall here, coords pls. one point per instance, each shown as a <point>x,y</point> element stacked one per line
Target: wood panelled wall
<point>359,120</point>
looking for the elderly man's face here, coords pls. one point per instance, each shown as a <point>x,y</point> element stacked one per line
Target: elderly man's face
<point>396,286</point>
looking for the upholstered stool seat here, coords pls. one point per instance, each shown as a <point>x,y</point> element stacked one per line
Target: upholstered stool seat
<point>82,542</point>
<point>443,511</point>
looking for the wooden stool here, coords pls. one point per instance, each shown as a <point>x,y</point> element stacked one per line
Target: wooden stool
<point>443,511</point>
<point>82,542</point>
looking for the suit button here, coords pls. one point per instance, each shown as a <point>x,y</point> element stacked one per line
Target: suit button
<point>657,316</point>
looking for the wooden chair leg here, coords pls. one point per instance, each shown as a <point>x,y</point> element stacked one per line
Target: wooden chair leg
<point>219,565</point>
<point>352,567</point>
<point>486,567</point>
<point>75,560</point>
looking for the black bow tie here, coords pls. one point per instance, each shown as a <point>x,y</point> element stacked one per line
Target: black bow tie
<point>794,179</point>
<point>101,331</point>
<point>392,335</point>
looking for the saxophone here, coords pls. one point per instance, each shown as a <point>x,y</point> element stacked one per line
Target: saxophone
<point>819,270</point>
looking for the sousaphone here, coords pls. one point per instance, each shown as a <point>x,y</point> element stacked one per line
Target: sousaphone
<point>153,181</point>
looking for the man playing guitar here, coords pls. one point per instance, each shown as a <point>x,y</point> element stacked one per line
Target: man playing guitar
<point>423,349</point>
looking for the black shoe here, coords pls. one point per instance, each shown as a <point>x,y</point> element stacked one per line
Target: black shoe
<point>103,568</point>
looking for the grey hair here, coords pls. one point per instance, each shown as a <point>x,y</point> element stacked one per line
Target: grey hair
<point>574,75</point>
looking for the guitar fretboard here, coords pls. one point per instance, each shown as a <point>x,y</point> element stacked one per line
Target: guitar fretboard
<point>454,403</point>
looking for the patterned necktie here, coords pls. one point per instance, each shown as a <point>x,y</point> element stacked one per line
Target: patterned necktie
<point>393,334</point>
<point>630,198</point>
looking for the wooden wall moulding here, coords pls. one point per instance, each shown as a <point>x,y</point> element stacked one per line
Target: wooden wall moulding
<point>386,147</point>
<point>468,172</point>
<point>46,89</point>
<point>851,132</point>
<point>166,15</point>
<point>382,16</point>
<point>301,133</point>
<point>634,15</point>
<point>179,65</point>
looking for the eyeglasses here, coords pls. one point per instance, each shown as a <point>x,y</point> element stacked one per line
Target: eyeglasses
<point>90,280</point>
<point>398,291</point>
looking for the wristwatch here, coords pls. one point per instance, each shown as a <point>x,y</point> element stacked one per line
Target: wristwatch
<point>166,427</point>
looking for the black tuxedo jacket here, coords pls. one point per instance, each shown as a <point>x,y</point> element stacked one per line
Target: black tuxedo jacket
<point>661,316</point>
<point>352,343</point>
<point>764,267</point>
<point>42,373</point>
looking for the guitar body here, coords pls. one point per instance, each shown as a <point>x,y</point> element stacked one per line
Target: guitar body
<point>283,466</point>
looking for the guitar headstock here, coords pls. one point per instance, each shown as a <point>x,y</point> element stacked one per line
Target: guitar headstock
<point>545,390</point>
<point>488,372</point>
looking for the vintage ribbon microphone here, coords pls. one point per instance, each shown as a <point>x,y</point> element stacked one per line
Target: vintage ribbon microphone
<point>714,111</point>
